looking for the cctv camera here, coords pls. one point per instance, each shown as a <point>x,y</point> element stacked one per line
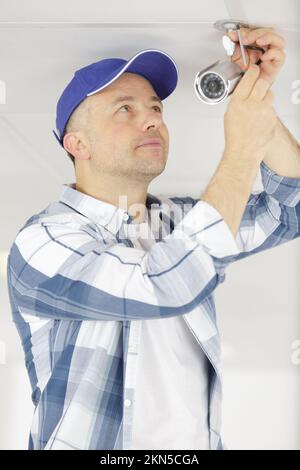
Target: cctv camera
<point>216,82</point>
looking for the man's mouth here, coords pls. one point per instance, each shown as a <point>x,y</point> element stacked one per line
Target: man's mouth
<point>151,142</point>
<point>150,145</point>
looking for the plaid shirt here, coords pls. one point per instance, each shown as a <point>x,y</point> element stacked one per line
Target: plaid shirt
<point>79,288</point>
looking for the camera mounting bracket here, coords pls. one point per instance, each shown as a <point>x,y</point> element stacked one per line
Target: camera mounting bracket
<point>230,25</point>
<point>226,26</point>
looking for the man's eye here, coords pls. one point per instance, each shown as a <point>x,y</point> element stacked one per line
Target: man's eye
<point>127,106</point>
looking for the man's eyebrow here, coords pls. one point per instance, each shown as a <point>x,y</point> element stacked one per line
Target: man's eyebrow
<point>131,98</point>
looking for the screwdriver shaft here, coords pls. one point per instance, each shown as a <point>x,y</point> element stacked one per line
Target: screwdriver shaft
<point>242,46</point>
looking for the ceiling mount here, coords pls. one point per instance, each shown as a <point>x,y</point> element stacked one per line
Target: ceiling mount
<point>230,25</point>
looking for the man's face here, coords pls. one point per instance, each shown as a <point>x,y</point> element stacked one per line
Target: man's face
<point>116,129</point>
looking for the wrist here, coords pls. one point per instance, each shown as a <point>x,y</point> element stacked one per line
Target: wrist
<point>249,156</point>
<point>241,166</point>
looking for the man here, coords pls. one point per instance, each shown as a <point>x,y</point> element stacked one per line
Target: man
<point>114,301</point>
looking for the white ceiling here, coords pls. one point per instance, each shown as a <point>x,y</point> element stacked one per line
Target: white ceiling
<point>261,12</point>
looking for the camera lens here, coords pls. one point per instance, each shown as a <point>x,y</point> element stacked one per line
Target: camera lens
<point>212,86</point>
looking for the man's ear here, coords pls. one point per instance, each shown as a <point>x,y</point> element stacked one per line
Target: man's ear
<point>76,144</point>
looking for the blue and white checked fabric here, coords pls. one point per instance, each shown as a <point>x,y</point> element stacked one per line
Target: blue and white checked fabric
<point>79,288</point>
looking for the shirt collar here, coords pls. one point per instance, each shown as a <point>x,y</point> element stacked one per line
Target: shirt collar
<point>104,213</point>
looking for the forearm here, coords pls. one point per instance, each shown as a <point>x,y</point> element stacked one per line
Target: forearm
<point>283,153</point>
<point>230,187</point>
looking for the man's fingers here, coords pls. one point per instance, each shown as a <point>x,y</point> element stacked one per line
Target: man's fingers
<point>261,36</point>
<point>260,89</point>
<point>246,31</point>
<point>269,98</point>
<point>246,84</point>
<point>265,38</point>
<point>276,54</point>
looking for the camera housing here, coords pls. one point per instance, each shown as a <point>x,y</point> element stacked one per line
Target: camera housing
<point>217,81</point>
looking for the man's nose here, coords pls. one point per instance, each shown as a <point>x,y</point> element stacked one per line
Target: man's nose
<point>153,119</point>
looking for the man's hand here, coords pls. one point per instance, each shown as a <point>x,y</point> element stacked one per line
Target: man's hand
<point>250,118</point>
<point>273,58</point>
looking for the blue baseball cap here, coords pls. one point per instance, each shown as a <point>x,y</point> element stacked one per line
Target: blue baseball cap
<point>155,65</point>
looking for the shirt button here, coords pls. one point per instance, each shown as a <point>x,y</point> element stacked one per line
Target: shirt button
<point>127,402</point>
<point>125,216</point>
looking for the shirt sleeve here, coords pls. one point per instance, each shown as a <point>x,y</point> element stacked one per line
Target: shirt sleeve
<point>271,216</point>
<point>56,270</point>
